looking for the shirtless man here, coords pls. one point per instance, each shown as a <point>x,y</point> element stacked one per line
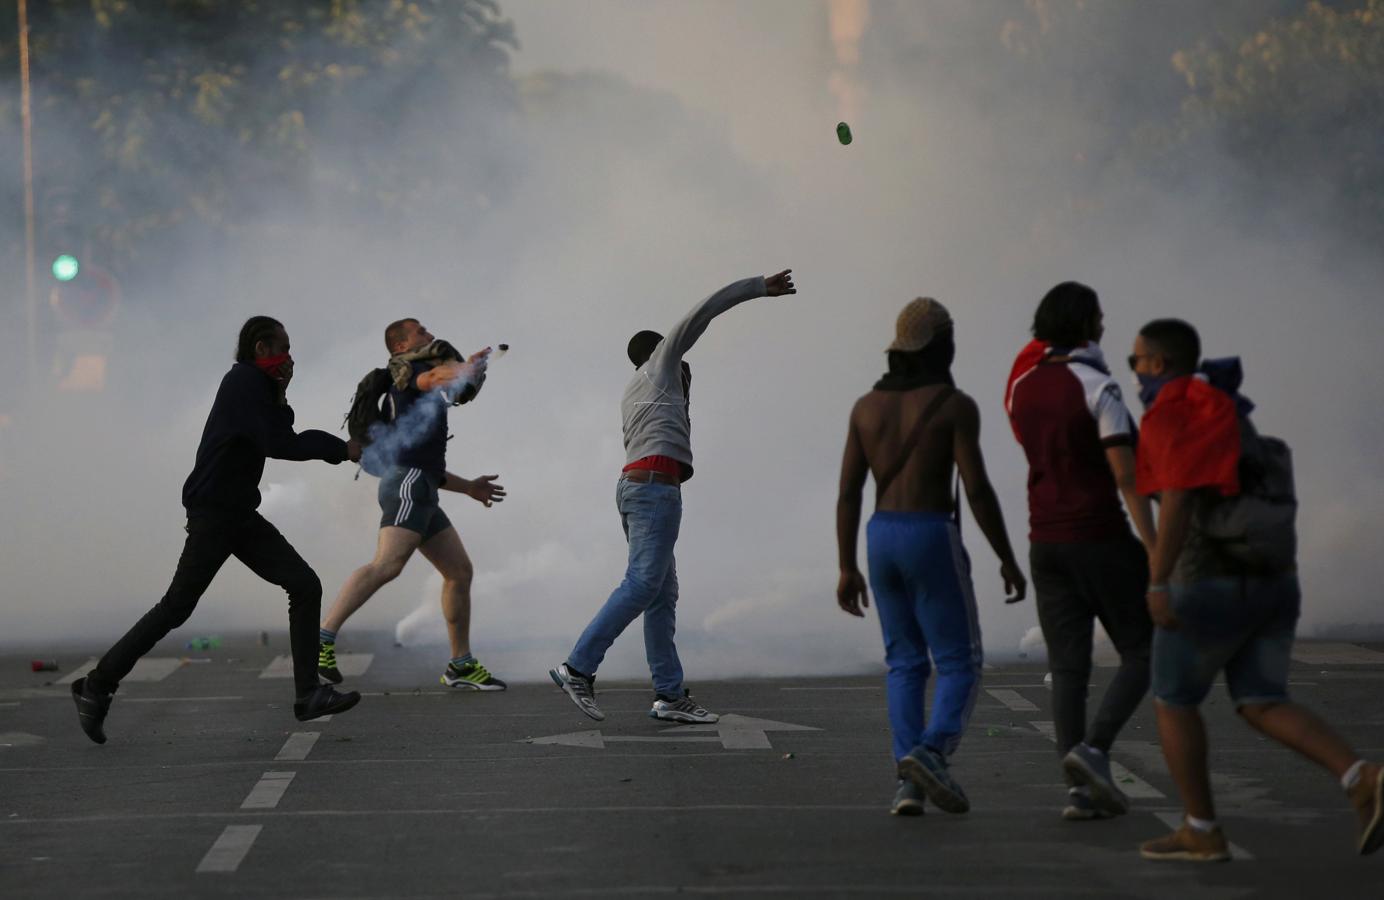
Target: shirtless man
<point>909,432</point>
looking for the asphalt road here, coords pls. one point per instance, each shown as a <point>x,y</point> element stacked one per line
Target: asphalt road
<point>209,788</point>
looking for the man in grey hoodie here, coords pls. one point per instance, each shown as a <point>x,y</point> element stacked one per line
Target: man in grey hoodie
<point>658,455</point>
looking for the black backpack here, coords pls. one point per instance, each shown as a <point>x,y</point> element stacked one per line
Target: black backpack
<point>1258,527</point>
<point>369,405</point>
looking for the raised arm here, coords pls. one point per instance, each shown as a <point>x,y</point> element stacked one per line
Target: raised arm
<point>685,333</point>
<point>985,506</point>
<point>851,593</point>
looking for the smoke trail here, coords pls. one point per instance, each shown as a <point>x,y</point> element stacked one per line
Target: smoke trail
<point>389,440</point>
<point>848,21</point>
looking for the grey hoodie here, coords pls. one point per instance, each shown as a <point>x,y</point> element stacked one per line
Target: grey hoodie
<point>654,408</point>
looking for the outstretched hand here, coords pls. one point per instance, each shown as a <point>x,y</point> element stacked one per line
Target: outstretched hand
<point>851,593</point>
<point>484,490</point>
<point>780,284</point>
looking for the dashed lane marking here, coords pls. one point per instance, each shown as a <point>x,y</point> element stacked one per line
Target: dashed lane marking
<point>230,848</point>
<point>1012,699</point>
<point>298,746</point>
<point>150,668</point>
<point>267,793</point>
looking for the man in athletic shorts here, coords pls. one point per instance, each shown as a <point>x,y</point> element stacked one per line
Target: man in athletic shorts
<point>412,456</point>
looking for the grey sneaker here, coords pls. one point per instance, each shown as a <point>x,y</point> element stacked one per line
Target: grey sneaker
<point>1087,766</point>
<point>1079,807</point>
<point>908,800</point>
<point>684,710</point>
<point>928,770</point>
<point>582,690</point>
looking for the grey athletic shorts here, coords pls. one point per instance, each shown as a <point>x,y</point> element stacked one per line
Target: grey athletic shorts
<point>408,499</point>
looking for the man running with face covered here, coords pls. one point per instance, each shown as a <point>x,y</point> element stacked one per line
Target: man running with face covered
<point>658,452</point>
<point>249,421</point>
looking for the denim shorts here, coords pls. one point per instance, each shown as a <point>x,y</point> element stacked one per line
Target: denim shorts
<point>1240,625</point>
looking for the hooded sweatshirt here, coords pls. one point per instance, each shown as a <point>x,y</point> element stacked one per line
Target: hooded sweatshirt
<point>247,424</point>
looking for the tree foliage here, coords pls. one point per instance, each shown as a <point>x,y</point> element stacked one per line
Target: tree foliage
<point>160,116</point>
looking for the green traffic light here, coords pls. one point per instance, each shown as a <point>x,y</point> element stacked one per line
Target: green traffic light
<point>65,267</point>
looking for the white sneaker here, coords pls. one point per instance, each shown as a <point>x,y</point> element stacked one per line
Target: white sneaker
<point>581,690</point>
<point>683,710</point>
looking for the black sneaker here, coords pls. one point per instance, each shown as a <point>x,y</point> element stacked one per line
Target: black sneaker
<point>684,709</point>
<point>91,710</point>
<point>325,700</point>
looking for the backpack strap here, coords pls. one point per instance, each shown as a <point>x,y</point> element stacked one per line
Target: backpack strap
<point>887,477</point>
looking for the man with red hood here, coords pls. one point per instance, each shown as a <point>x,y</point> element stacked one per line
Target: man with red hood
<point>1222,605</point>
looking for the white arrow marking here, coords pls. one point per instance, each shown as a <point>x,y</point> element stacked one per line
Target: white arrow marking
<point>733,733</point>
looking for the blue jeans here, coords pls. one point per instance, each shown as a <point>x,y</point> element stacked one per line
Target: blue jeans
<point>1243,626</point>
<point>650,514</point>
<point>921,577</point>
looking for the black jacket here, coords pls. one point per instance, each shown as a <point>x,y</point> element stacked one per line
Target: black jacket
<point>246,425</point>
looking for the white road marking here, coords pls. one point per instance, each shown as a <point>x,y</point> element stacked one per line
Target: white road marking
<point>150,668</point>
<point>230,848</point>
<point>1133,786</point>
<point>1329,654</point>
<point>733,732</point>
<point>351,665</point>
<point>1174,821</point>
<point>1012,699</point>
<point>298,746</point>
<point>267,793</point>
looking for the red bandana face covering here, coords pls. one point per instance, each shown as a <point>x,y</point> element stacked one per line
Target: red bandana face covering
<point>272,365</point>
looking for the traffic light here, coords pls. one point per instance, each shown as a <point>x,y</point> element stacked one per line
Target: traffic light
<point>65,267</point>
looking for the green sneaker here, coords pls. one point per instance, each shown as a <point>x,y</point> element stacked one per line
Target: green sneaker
<point>326,664</point>
<point>471,677</point>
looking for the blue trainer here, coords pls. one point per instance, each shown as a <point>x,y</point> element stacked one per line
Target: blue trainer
<point>928,770</point>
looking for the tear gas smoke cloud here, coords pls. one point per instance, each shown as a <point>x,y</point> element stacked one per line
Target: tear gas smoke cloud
<point>640,175</point>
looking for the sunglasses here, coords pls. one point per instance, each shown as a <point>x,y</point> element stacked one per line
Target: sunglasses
<point>1135,357</point>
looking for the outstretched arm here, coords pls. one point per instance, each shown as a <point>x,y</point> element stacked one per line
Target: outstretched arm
<point>851,593</point>
<point>684,334</point>
<point>483,490</point>
<point>985,506</point>
<point>269,424</point>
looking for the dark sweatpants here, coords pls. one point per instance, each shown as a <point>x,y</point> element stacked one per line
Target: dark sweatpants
<point>211,539</point>
<point>1076,584</point>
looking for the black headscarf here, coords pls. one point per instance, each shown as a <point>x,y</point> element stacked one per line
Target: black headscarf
<point>920,368</point>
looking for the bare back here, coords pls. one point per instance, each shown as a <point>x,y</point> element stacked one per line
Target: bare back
<point>883,421</point>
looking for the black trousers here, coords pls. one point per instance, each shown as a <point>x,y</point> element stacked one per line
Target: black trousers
<point>211,540</point>
<point>1075,585</point>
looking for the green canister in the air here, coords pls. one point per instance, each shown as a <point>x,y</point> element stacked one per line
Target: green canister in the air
<point>843,133</point>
